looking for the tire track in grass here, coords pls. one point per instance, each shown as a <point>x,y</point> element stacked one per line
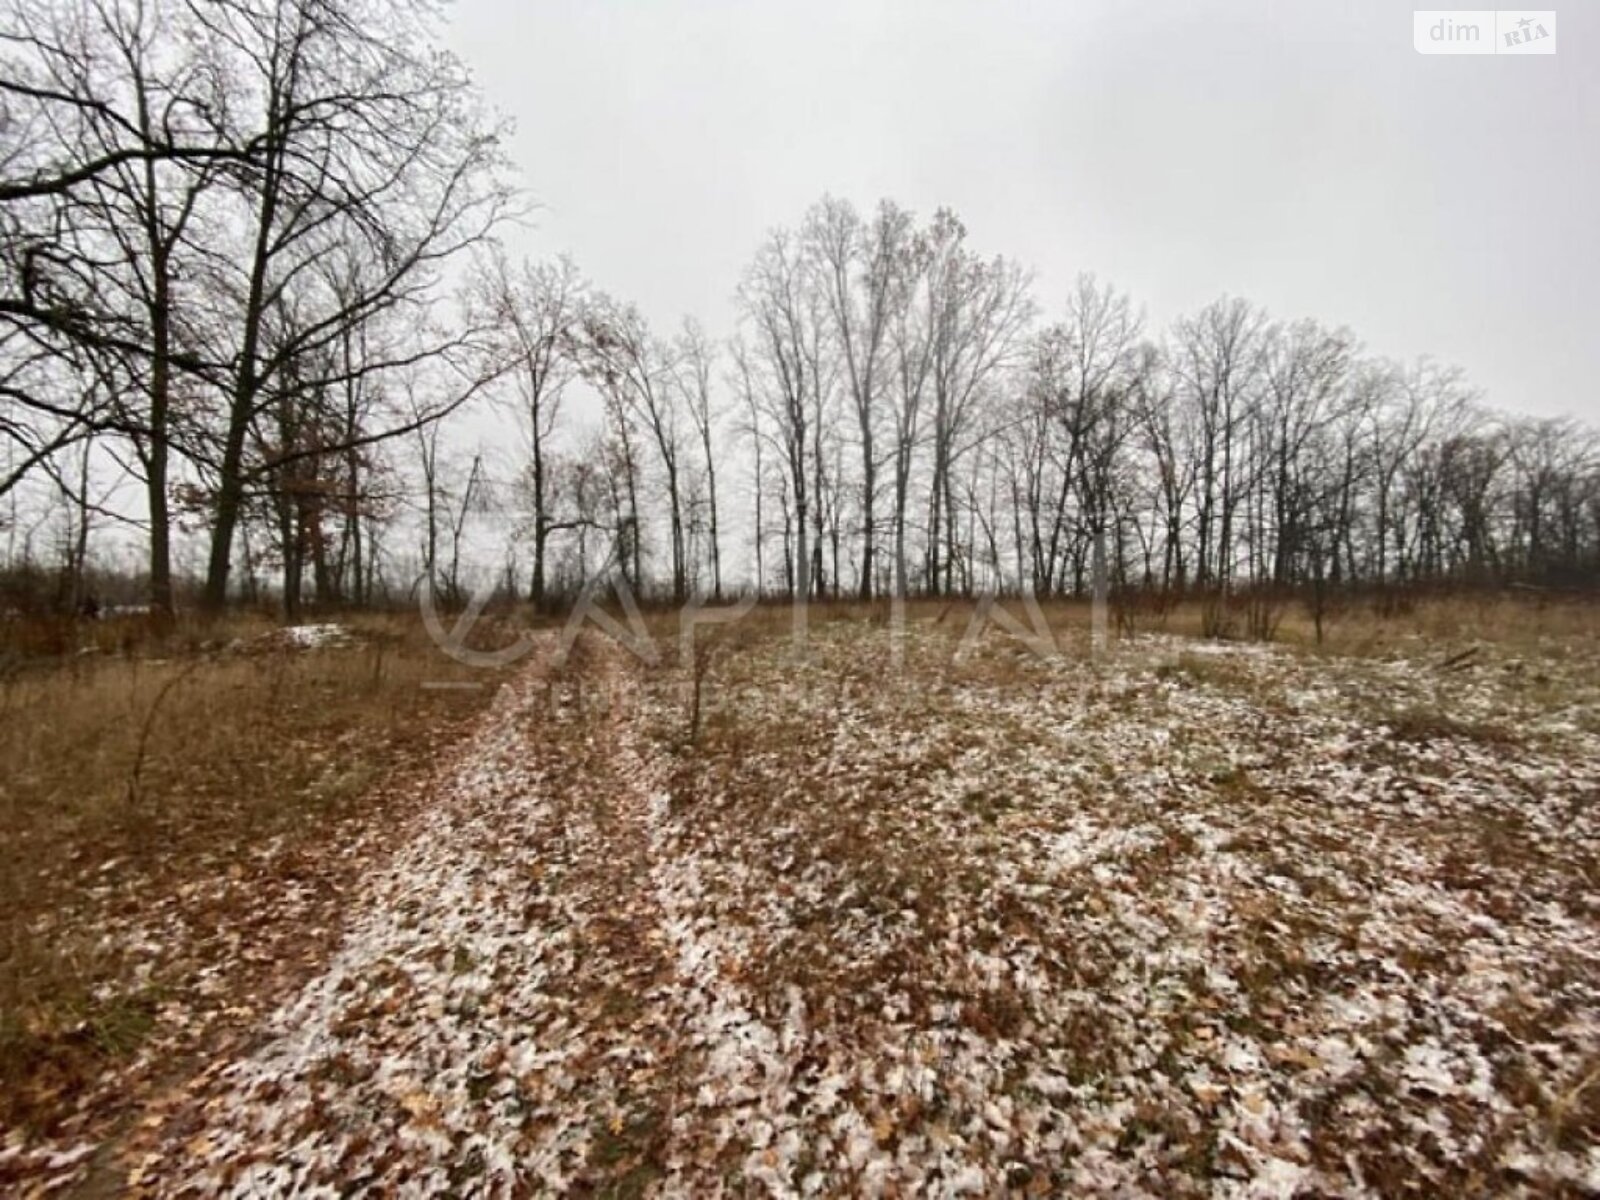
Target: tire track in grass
<point>734,1071</point>
<point>365,1070</point>
<point>494,1020</point>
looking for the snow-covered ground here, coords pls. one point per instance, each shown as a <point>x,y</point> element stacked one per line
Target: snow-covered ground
<point>310,637</point>
<point>1245,922</point>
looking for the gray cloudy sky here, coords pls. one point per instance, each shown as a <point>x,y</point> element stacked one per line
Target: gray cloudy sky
<point>1304,156</point>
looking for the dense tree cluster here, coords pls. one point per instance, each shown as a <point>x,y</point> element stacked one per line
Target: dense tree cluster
<point>918,398</point>
<point>903,417</point>
<point>223,231</point>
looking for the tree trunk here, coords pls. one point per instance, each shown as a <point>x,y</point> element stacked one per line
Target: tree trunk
<point>156,468</point>
<point>230,489</point>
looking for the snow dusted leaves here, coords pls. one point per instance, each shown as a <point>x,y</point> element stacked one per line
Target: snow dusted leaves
<point>1172,924</point>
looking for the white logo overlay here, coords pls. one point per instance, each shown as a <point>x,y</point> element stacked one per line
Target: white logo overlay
<point>632,633</point>
<point>1483,31</point>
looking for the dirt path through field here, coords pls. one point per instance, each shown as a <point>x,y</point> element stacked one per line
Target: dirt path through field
<point>510,1003</point>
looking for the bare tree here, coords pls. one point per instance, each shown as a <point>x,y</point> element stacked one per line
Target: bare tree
<point>787,331</point>
<point>911,348</point>
<point>359,132</point>
<point>695,359</point>
<point>1217,359</point>
<point>743,380</point>
<point>535,313</point>
<point>859,265</point>
<point>977,309</point>
<point>1304,386</point>
<point>636,369</point>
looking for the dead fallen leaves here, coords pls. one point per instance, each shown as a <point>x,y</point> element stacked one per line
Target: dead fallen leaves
<point>1090,930</point>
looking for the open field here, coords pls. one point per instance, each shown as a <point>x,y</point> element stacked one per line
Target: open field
<point>1177,918</point>
<point>175,807</point>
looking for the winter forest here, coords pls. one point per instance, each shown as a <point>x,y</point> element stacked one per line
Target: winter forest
<point>258,315</point>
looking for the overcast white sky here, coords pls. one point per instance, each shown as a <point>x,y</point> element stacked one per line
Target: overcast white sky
<point>1304,156</point>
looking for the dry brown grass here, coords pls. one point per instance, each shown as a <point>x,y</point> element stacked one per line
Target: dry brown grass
<point>1496,618</point>
<point>130,775</point>
<point>1512,623</point>
<point>44,642</point>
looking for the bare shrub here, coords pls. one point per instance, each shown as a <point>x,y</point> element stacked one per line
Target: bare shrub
<point>1217,619</point>
<point>1263,610</point>
<point>717,643</point>
<point>1140,608</point>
